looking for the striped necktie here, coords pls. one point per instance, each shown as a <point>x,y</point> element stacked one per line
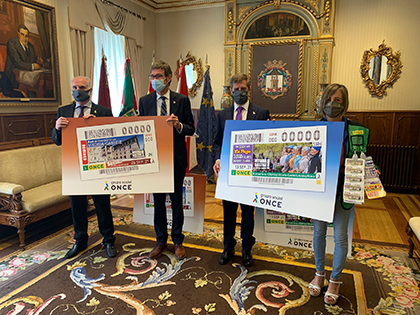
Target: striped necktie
<point>163,111</point>
<point>82,111</point>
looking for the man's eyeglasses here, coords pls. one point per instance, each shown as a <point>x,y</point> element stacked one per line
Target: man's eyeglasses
<point>156,76</point>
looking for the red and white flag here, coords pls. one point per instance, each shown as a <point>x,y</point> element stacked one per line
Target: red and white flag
<point>190,140</point>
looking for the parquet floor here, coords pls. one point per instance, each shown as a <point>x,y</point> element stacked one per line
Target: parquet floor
<point>377,221</point>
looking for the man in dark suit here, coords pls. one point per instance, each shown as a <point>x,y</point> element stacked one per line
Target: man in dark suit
<point>21,55</point>
<point>84,108</point>
<point>242,109</point>
<point>177,108</point>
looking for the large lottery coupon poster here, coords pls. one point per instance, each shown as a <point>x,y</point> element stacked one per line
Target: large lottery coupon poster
<point>117,155</point>
<point>284,166</point>
<point>112,150</point>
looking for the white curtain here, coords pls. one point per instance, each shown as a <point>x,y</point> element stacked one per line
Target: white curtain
<point>121,22</point>
<point>113,47</point>
<point>82,15</point>
<point>82,51</point>
<point>134,52</point>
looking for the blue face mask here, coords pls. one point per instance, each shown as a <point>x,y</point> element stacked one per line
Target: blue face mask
<point>158,85</point>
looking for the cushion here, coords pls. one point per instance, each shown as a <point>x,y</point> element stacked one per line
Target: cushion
<point>43,196</point>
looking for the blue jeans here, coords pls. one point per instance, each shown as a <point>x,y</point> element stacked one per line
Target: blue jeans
<point>341,242</point>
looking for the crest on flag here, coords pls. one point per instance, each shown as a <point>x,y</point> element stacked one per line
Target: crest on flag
<point>275,80</point>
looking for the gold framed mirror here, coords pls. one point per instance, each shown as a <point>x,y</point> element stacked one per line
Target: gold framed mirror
<point>380,69</point>
<point>194,73</point>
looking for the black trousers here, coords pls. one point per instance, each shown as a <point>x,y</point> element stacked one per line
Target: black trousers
<point>80,218</point>
<point>229,224</point>
<point>160,219</point>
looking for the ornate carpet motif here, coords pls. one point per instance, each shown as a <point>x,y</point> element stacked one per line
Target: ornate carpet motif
<point>133,284</point>
<point>38,281</point>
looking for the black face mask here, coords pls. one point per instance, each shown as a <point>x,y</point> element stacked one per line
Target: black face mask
<point>81,96</point>
<point>334,109</point>
<point>240,97</point>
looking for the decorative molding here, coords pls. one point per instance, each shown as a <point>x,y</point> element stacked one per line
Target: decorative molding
<point>314,3</point>
<point>242,11</point>
<point>314,79</point>
<point>158,4</point>
<point>29,123</point>
<point>12,203</point>
<point>325,13</point>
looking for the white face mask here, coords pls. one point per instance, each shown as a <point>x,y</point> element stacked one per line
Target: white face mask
<point>158,85</point>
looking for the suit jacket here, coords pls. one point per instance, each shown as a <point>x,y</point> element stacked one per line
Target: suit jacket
<point>68,112</point>
<point>18,58</point>
<point>180,106</point>
<point>254,113</point>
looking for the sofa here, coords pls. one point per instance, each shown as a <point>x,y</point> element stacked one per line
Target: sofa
<point>30,186</point>
<point>413,231</point>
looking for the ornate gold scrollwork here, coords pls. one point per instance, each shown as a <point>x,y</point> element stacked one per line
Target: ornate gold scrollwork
<point>377,87</point>
<point>198,69</point>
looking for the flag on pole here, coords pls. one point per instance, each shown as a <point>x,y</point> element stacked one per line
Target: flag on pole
<point>151,89</point>
<point>189,140</point>
<point>129,103</point>
<point>182,87</point>
<point>104,99</point>
<point>206,128</point>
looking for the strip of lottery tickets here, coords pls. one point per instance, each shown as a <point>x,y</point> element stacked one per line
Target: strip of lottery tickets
<point>354,178</point>
<point>373,185</point>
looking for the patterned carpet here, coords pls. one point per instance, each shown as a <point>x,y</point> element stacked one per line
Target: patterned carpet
<point>377,279</point>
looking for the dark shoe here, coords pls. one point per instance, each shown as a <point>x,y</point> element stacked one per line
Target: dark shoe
<point>247,258</point>
<point>159,248</point>
<point>226,256</point>
<point>180,251</point>
<point>111,250</point>
<point>76,249</point>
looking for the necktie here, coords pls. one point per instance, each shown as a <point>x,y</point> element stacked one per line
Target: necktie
<point>163,111</point>
<point>239,113</point>
<point>82,111</point>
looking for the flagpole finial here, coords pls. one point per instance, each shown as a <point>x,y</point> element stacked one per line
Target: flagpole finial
<point>153,58</point>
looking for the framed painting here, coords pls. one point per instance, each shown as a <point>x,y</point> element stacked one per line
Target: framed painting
<point>276,72</point>
<point>29,71</point>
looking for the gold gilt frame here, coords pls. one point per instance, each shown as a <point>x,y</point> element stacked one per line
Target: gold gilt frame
<point>281,106</point>
<point>198,68</point>
<point>394,61</point>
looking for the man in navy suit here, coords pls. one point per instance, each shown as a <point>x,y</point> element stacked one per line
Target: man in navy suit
<point>84,108</point>
<point>177,108</point>
<point>21,55</point>
<point>242,109</point>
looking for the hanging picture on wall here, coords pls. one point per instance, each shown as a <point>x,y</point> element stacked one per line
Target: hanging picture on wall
<point>276,74</point>
<point>29,73</point>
